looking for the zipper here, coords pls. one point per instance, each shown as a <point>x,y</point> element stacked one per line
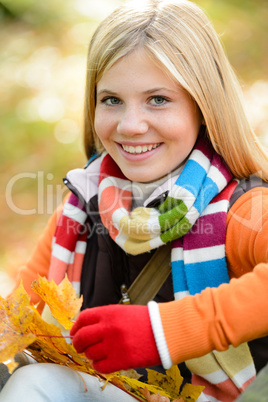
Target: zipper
<point>125,296</point>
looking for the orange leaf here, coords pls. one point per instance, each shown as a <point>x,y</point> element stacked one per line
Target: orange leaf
<point>153,397</point>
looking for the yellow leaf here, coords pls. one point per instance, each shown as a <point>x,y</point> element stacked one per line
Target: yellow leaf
<point>136,385</point>
<point>51,346</point>
<point>62,299</point>
<point>117,379</point>
<point>131,373</point>
<point>171,382</point>
<point>22,327</point>
<point>15,317</point>
<point>191,392</point>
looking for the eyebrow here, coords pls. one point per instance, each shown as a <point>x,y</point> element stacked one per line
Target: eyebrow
<point>106,91</point>
<point>149,91</point>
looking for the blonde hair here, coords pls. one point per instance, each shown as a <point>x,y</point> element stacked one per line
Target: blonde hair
<point>178,35</point>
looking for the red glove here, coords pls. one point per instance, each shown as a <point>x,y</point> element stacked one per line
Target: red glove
<point>116,337</point>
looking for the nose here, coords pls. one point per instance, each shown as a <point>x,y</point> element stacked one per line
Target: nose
<point>132,122</point>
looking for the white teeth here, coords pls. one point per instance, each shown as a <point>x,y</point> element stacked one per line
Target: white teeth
<point>139,149</point>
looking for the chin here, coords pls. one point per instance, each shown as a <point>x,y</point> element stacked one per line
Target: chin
<point>136,177</point>
<point>141,178</point>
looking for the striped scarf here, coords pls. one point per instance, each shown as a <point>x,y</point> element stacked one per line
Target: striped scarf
<point>193,218</point>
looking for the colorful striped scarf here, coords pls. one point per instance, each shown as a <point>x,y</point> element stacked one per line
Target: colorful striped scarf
<point>193,218</point>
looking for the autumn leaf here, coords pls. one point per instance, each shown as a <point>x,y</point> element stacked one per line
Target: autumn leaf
<point>15,317</point>
<point>154,397</point>
<point>22,328</point>
<point>61,299</point>
<point>115,378</point>
<point>131,373</point>
<point>49,343</point>
<point>158,398</point>
<point>171,381</point>
<point>137,386</point>
<point>191,392</point>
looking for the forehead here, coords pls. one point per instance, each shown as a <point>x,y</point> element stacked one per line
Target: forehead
<point>136,68</point>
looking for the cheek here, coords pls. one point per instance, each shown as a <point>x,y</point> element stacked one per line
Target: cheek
<point>97,122</point>
<point>104,125</point>
<point>100,126</point>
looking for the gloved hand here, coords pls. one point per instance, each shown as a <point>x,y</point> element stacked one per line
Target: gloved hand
<point>116,337</point>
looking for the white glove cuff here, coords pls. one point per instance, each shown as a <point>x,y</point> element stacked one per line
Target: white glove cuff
<point>159,335</point>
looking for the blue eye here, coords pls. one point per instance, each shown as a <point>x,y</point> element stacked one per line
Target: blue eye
<point>158,100</point>
<point>110,100</point>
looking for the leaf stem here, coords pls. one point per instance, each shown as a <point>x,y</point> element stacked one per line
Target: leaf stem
<point>54,336</point>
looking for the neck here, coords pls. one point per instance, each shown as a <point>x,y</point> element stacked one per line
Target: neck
<point>143,193</point>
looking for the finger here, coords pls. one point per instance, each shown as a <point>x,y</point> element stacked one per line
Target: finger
<point>86,337</point>
<point>96,352</point>
<point>102,366</point>
<point>85,318</point>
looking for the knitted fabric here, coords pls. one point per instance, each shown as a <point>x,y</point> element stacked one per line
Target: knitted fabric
<point>193,218</point>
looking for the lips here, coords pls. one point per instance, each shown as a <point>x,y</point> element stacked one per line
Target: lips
<point>139,149</point>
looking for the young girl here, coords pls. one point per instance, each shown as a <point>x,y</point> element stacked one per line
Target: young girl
<point>173,162</point>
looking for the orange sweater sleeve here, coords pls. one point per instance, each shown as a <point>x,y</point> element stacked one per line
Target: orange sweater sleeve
<point>38,263</point>
<point>232,313</point>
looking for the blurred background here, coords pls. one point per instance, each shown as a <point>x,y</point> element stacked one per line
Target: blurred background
<point>43,48</point>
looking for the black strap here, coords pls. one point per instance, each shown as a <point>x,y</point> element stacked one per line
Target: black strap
<point>149,281</point>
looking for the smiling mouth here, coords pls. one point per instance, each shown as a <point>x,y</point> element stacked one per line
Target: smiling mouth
<point>139,149</point>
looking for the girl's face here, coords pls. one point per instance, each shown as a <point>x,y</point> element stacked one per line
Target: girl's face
<point>145,121</point>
